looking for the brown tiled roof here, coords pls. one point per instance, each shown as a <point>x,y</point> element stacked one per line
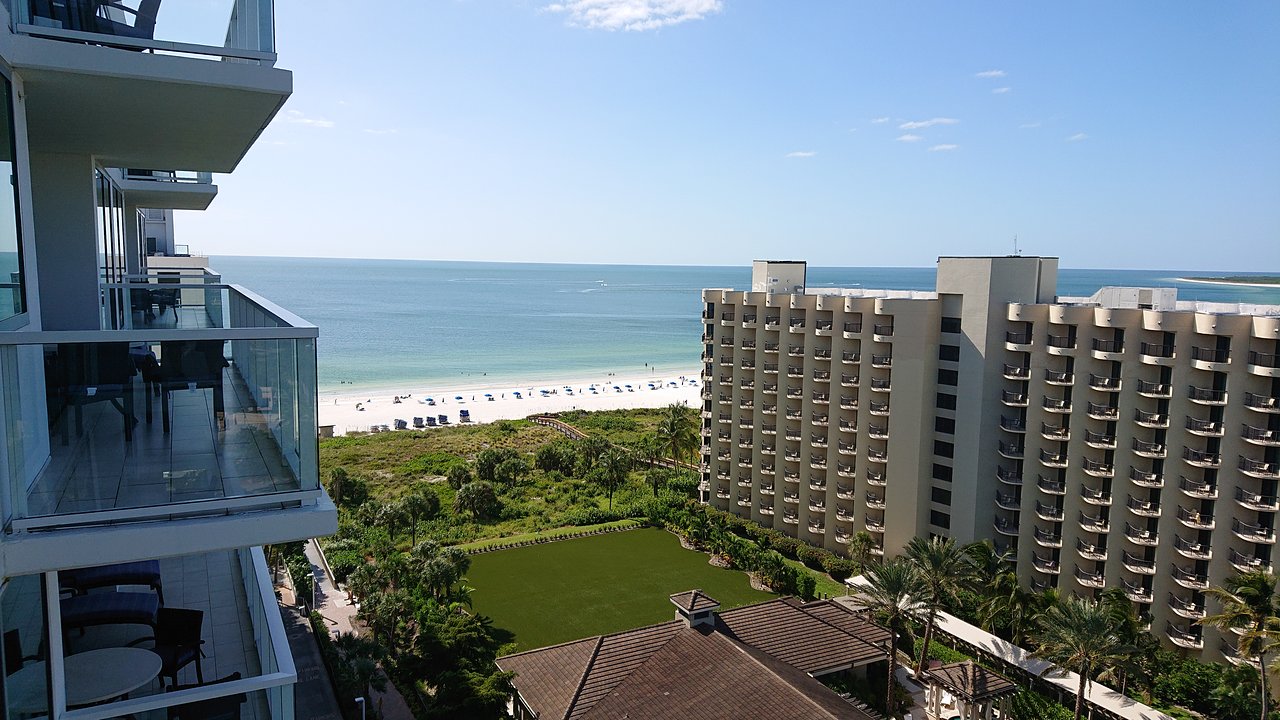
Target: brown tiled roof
<point>754,665</point>
<point>694,601</point>
<point>971,681</point>
<point>824,638</point>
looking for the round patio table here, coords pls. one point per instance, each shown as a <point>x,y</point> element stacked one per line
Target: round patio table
<point>92,677</point>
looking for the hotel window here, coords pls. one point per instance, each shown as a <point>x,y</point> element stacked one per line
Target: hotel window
<point>12,289</point>
<point>944,449</point>
<point>950,353</point>
<point>946,401</point>
<point>941,472</point>
<point>950,324</point>
<point>944,425</point>
<point>940,519</point>
<point>942,496</point>
<point>948,377</point>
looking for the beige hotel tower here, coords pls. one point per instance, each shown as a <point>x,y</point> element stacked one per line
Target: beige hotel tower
<point>1123,440</point>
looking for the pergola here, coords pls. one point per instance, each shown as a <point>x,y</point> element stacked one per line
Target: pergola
<point>967,691</point>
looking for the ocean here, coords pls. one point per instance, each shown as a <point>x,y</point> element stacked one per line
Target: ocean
<point>409,324</point>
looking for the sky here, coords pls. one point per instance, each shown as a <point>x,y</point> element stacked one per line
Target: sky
<point>1111,134</point>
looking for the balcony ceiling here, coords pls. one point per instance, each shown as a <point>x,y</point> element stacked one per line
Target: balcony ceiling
<point>169,195</point>
<point>132,109</point>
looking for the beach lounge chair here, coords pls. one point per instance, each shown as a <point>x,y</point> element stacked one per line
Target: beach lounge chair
<point>192,364</point>
<point>431,421</point>
<point>464,416</point>
<point>418,424</point>
<point>109,608</point>
<point>444,419</point>
<point>144,572</point>
<point>401,424</point>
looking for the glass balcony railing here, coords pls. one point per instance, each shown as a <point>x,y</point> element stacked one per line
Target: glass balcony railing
<point>237,30</point>
<point>137,424</point>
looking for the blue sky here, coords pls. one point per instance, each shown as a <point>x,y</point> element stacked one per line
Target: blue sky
<point>1112,134</point>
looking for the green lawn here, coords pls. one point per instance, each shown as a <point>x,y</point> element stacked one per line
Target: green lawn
<point>561,591</point>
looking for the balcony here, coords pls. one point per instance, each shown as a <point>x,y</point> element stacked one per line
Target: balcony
<point>1204,428</point>
<point>797,326</point>
<point>1104,384</point>
<point>1183,638</point>
<point>848,403</point>
<point>1060,344</point>
<point>1254,501</point>
<point>844,514</point>
<point>878,432</point>
<point>1206,396</point>
<point>1094,496</point>
<point>1048,512</point>
<point>1060,406</point>
<point>1053,460</point>
<point>1143,508</point>
<point>843,536</point>
<point>766,509</point>
<point>1013,425</point>
<point>1016,372</point>
<point>817,528</point>
<point>850,358</point>
<point>1259,469</point>
<point>881,361</point>
<point>722,491</point>
<point>1089,579</point>
<point>769,389</point>
<point>821,398</point>
<point>177,190</point>
<point>1047,539</point>
<point>817,505</point>
<point>1197,489</point>
<point>749,322</point>
<point>214,418</point>
<point>1010,450</point>
<point>1260,436</point>
<point>878,408</point>
<point>1014,399</point>
<point>1145,479</point>
<point>1150,420</point>
<point>1206,358</point>
<point>1195,519</point>
<point>882,332</point>
<point>727,319</point>
<point>849,381</point>
<point>818,419</point>
<point>876,478</point>
<point>1018,341</point>
<point>1051,487</point>
<point>875,501</point>
<point>822,354</point>
<point>771,369</point>
<point>852,328</point>
<point>1200,458</point>
<point>1103,412</point>
<point>818,441</point>
<point>792,498</point>
<point>823,327</point>
<point>1044,564</point>
<point>772,323</point>
<point>1008,477</point>
<point>795,371</point>
<point>1099,469</point>
<point>769,429</point>
<point>1060,433</point>
<point>769,409</point>
<point>846,448</point>
<point>1136,564</point>
<point>1155,390</point>
<point>1094,523</point>
<point>1004,527</point>
<point>1192,550</point>
<point>790,518</point>
<point>874,526</point>
<point>1186,608</point>
<point>1141,536</point>
<point>1154,354</point>
<point>1253,533</point>
<point>1059,377</point>
<point>771,347</point>
<point>845,470</point>
<point>744,500</point>
<point>1108,349</point>
<point>1265,364</point>
<point>1007,501</point>
<point>1149,449</point>
<point>1090,551</point>
<point>1099,440</point>
<point>1189,579</point>
<point>1245,563</point>
<point>1136,592</point>
<point>848,427</point>
<point>844,492</point>
<point>880,384</point>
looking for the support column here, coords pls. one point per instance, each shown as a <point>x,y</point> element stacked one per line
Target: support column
<point>64,209</point>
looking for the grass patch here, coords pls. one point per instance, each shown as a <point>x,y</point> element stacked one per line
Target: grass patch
<point>548,594</point>
<point>548,534</point>
<point>825,584</point>
<point>624,427</point>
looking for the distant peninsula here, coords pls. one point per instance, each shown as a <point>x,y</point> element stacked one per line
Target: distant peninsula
<point>1248,280</point>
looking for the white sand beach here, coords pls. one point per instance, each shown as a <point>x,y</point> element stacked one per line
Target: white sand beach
<point>356,411</point>
<point>1229,282</point>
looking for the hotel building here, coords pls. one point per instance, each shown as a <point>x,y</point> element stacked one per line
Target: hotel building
<point>1125,440</point>
<point>155,429</point>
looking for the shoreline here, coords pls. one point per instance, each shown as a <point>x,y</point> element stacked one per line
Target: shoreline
<point>358,410</point>
<point>1230,283</point>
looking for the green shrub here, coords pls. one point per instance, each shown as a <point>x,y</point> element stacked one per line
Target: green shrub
<point>557,457</point>
<point>811,556</point>
<point>588,516</point>
<point>839,568</point>
<point>489,459</point>
<point>1028,705</point>
<point>343,563</point>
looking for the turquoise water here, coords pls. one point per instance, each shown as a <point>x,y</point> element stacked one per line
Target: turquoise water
<point>388,323</point>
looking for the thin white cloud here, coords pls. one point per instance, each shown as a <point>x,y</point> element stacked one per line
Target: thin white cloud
<point>1029,125</point>
<point>1077,137</point>
<point>298,118</point>
<point>879,120</point>
<point>909,138</point>
<point>944,148</point>
<point>991,74</point>
<point>381,131</point>
<point>1000,90</point>
<point>632,14</point>
<point>801,154</point>
<point>918,124</point>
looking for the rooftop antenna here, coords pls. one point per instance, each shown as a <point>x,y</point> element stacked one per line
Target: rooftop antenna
<point>1016,251</point>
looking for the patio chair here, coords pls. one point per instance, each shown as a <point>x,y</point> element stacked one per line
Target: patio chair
<point>177,641</point>
<point>220,708</point>
<point>192,364</point>
<point>109,608</point>
<point>93,373</point>
<point>13,657</point>
<point>144,572</point>
<point>165,298</point>
<point>109,18</point>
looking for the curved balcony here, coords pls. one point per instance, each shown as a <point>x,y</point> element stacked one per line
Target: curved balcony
<point>1008,477</point>
<point>1099,469</point>
<point>877,456</point>
<point>1198,489</point>
<point>879,409</point>
<point>770,347</point>
<point>844,492</point>
<point>818,420</point>
<point>769,429</point>
<point>852,328</point>
<point>1206,396</point>
<point>750,322</point>
<point>1013,451</point>
<point>791,476</point>
<point>791,498</point>
<point>1060,344</point>
<point>880,385</point>
<point>881,361</point>
<point>821,375</point>
<point>1141,536</point>
<point>1045,565</point>
<point>817,528</point>
<point>792,455</point>
<point>766,509</point>
<point>727,319</point>
<point>817,506</point>
<point>1056,405</point>
<point>1013,425</point>
<point>846,448</point>
<point>1089,579</point>
<point>873,525</point>
<point>1150,419</point>
<point>796,326</point>
<point>1013,399</point>
<point>843,536</point>
<point>823,328</point>
<point>1254,501</point>
<point>1259,469</point>
<point>768,490</point>
<point>744,500</point>
<point>1262,403</point>
<point>1008,502</point>
<point>850,358</point>
<point>1094,523</point>
<point>1155,390</point>
<point>817,485</point>
<point>1189,579</point>
<point>795,371</point>
<point>1052,487</point>
<point>1195,519</point>
<point>769,409</point>
<point>1017,372</point>
<point>845,470</point>
<point>722,492</point>
<point>1253,533</point>
<point>820,398</point>
<point>1186,608</point>
<point>744,480</point>
<point>1094,496</point>
<point>1183,638</point>
<point>1018,341</point>
<point>848,403</point>
<point>878,432</point>
<point>1260,436</point>
<point>818,463</point>
<point>1103,412</point>
<point>770,388</point>
<point>1048,512</point>
<point>1059,377</point>
<point>1047,539</point>
<point>1004,527</point>
<point>882,333</point>
<point>1204,428</point>
<point>1090,551</point>
<point>1136,592</point>
<point>1146,479</point>
<point>771,369</point>
<point>1200,458</point>
<point>1149,449</point>
<point>1265,364</point>
<point>1143,508</point>
<point>1104,384</point>
<point>848,427</point>
<point>1136,564</point>
<point>1154,354</point>
<point>1245,563</point>
<point>1192,550</point>
<point>875,502</point>
<point>848,381</point>
<point>790,519</point>
<point>1108,349</point>
<point>1099,440</point>
<point>1214,359</point>
<point>877,478</point>
<point>1060,433</point>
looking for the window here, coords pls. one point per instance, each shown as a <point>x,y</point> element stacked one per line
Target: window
<point>946,401</point>
<point>942,448</point>
<point>12,289</point>
<point>940,519</point>
<point>948,377</point>
<point>941,472</point>
<point>950,353</point>
<point>944,425</point>
<point>942,496</point>
<point>950,324</point>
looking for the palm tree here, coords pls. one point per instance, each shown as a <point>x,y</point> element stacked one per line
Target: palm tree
<point>678,432</point>
<point>612,471</point>
<point>420,506</point>
<point>1008,605</point>
<point>1251,609</point>
<point>1082,636</point>
<point>361,655</point>
<point>946,569</point>
<point>893,593</point>
<point>860,546</point>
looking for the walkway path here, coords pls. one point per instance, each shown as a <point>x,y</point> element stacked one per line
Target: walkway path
<point>332,604</point>
<point>313,696</point>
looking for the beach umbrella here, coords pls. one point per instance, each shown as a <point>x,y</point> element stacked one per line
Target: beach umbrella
<point>488,394</point>
<point>457,397</point>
